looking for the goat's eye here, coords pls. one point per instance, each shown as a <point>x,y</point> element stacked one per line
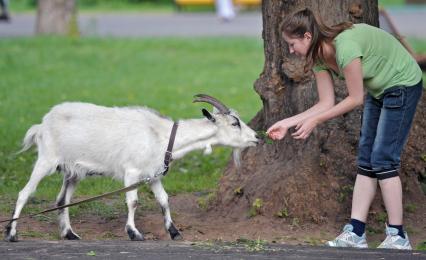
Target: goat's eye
<point>237,123</point>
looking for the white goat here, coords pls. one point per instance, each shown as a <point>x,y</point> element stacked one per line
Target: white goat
<point>129,144</point>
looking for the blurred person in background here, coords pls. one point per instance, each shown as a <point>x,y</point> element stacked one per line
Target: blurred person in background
<point>225,10</point>
<point>4,15</point>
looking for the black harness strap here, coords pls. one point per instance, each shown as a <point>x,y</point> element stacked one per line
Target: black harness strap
<point>168,157</point>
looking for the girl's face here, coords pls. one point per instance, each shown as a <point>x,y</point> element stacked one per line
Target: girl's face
<point>299,46</point>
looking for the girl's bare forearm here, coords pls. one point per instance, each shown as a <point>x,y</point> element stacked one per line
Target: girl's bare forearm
<point>346,105</point>
<point>317,109</point>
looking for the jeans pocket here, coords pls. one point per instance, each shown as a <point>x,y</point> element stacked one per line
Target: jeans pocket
<point>394,99</point>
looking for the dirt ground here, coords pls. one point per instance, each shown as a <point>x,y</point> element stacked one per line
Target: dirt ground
<point>196,224</point>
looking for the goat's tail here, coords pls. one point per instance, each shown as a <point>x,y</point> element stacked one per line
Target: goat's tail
<point>30,138</point>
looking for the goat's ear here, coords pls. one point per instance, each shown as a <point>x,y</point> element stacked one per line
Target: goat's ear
<point>208,115</point>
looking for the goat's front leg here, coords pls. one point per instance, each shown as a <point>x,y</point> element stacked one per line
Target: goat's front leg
<point>163,200</point>
<point>132,202</point>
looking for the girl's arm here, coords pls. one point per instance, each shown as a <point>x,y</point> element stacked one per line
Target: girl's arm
<point>326,101</point>
<point>354,83</point>
<point>326,98</point>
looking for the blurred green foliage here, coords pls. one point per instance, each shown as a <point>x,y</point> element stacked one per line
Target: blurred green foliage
<point>102,5</point>
<point>387,3</point>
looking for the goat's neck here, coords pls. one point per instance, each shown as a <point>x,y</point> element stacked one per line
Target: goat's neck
<point>194,134</point>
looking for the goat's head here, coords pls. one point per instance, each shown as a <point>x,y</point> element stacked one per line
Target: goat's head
<point>232,131</point>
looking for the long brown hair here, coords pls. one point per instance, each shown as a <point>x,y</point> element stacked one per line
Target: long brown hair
<point>297,24</point>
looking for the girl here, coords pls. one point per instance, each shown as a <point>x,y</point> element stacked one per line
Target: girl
<point>366,57</point>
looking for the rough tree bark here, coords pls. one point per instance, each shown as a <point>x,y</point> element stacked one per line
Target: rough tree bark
<point>56,17</point>
<point>309,180</point>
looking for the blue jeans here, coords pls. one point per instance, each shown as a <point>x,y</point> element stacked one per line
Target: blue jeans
<point>386,123</point>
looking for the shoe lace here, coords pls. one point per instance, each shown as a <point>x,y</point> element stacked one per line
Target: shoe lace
<point>346,236</point>
<point>394,239</point>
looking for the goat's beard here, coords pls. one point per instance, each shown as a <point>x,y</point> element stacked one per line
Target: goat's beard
<point>237,157</point>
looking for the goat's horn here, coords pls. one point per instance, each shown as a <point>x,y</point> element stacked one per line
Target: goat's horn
<point>213,101</point>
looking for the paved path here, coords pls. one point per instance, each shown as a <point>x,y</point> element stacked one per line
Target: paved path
<point>410,22</point>
<point>168,250</point>
<point>148,25</point>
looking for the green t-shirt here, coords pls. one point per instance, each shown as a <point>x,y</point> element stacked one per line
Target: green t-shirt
<point>385,62</point>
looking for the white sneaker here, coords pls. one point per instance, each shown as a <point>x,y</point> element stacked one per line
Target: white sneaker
<point>348,239</point>
<point>395,241</point>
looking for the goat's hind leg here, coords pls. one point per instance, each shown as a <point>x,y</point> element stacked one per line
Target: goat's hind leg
<point>41,169</point>
<point>163,200</point>
<point>130,178</point>
<point>64,197</point>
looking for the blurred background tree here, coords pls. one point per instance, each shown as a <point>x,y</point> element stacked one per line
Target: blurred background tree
<point>56,17</point>
<point>310,180</point>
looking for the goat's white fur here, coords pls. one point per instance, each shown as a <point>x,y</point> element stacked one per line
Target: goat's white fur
<point>125,143</point>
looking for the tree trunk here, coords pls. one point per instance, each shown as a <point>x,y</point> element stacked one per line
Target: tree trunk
<point>309,180</point>
<point>57,17</point>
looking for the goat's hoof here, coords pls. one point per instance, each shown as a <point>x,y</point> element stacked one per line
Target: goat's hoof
<point>137,237</point>
<point>70,235</point>
<point>9,238</point>
<point>174,233</point>
<point>177,237</point>
<point>8,234</point>
<point>134,235</point>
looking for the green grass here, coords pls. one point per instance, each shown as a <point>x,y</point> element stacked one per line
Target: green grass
<point>163,74</point>
<point>104,5</point>
<point>418,45</point>
<point>113,6</point>
<point>122,5</point>
<point>389,3</point>
<point>421,245</point>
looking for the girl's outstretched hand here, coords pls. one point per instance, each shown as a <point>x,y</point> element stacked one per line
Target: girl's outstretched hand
<point>278,130</point>
<point>305,128</point>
